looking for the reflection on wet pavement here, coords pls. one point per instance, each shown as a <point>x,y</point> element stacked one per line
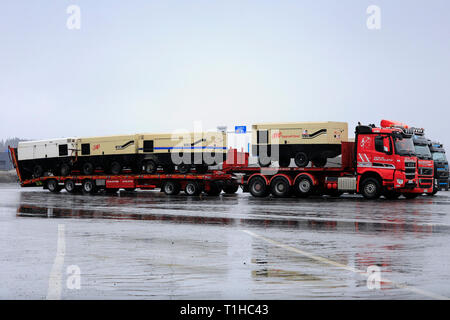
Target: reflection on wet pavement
<point>149,245</point>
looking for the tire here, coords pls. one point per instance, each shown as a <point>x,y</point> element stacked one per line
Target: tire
<point>70,186</point>
<point>192,188</point>
<point>214,189</point>
<point>38,171</point>
<point>370,188</point>
<point>171,188</point>
<point>284,162</point>
<point>320,162</point>
<point>391,195</point>
<point>115,168</point>
<point>410,195</point>
<point>184,168</point>
<point>232,189</point>
<point>303,187</point>
<point>258,187</point>
<point>301,159</point>
<point>280,187</point>
<point>88,187</point>
<point>201,168</point>
<point>150,167</point>
<point>65,169</point>
<point>264,161</point>
<point>87,169</point>
<point>52,186</point>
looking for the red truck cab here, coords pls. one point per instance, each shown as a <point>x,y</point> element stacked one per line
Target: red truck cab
<point>385,161</point>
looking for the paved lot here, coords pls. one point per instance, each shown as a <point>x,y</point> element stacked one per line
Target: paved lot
<point>148,245</point>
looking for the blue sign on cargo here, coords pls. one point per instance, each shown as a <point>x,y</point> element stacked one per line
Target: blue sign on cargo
<point>240,129</point>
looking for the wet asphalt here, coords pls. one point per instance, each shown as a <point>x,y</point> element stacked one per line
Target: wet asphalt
<point>146,245</point>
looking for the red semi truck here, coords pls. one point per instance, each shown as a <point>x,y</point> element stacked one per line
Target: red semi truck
<point>381,161</point>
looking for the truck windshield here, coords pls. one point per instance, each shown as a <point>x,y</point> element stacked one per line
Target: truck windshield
<point>422,151</point>
<point>439,156</point>
<point>404,147</point>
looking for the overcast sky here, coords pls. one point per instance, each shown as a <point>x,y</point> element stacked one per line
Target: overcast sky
<point>155,66</point>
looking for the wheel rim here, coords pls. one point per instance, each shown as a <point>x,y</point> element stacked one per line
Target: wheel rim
<point>304,186</point>
<point>370,188</point>
<point>52,185</point>
<point>169,188</point>
<point>69,185</point>
<point>190,189</point>
<point>88,186</point>
<point>280,187</point>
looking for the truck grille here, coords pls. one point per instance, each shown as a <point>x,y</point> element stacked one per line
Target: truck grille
<point>425,183</point>
<point>410,170</point>
<point>425,171</point>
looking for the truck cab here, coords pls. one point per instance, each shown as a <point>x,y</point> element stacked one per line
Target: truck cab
<point>425,165</point>
<point>385,161</point>
<point>440,166</point>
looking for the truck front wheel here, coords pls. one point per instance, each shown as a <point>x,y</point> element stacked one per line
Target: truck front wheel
<point>370,188</point>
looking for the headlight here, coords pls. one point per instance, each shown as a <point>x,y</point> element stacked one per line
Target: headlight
<point>399,181</point>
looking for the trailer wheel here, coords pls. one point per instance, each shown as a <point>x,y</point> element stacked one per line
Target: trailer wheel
<point>303,187</point>
<point>184,168</point>
<point>370,188</point>
<point>258,187</point>
<point>115,167</point>
<point>37,171</point>
<point>192,188</point>
<point>391,195</point>
<point>214,189</point>
<point>69,185</point>
<point>301,159</point>
<point>410,195</point>
<point>88,186</point>
<point>52,186</point>
<point>65,169</point>
<point>280,187</point>
<point>230,189</point>
<point>87,168</point>
<point>171,188</point>
<point>150,167</point>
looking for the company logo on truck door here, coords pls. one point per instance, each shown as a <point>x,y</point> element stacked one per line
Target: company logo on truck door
<point>126,145</point>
